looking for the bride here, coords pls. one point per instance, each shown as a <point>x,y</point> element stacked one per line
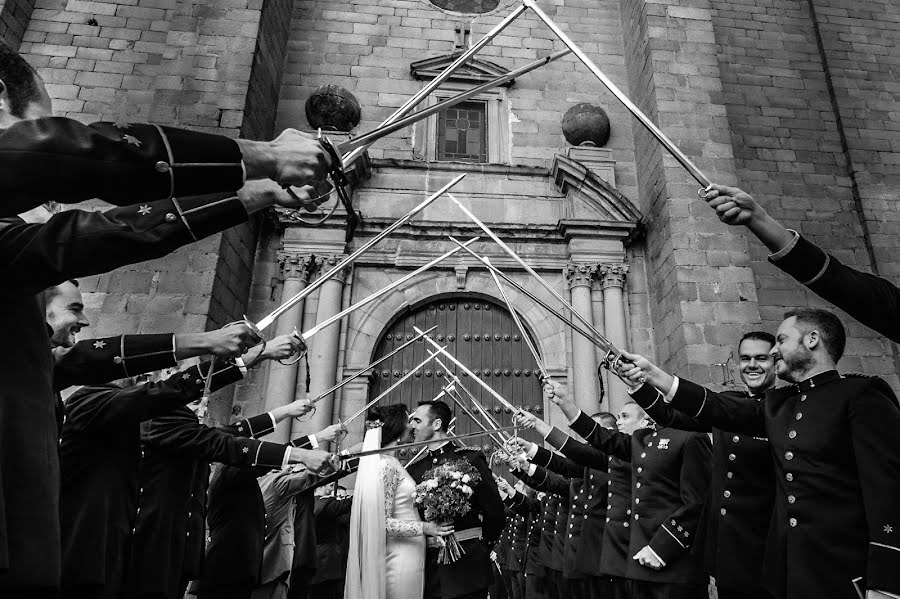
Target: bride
<point>387,536</point>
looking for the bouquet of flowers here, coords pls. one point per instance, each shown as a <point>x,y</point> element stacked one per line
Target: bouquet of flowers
<point>444,494</point>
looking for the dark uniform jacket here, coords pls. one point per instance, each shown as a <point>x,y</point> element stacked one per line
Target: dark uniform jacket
<point>472,572</point>
<point>518,540</point>
<point>742,493</point>
<point>554,517</point>
<point>236,518</point>
<point>531,510</point>
<point>332,522</point>
<point>100,456</point>
<point>45,160</point>
<point>99,361</point>
<point>837,469</point>
<point>174,473</point>
<point>670,481</point>
<point>503,544</point>
<point>587,512</point>
<point>868,298</point>
<point>614,530</point>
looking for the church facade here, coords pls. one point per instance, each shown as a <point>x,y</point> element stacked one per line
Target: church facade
<point>792,101</point>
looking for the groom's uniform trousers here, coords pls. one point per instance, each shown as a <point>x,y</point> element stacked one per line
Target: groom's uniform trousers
<point>470,576</point>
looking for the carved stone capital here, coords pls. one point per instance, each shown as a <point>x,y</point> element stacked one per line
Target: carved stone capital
<point>613,275</point>
<point>326,264</point>
<point>580,274</point>
<point>295,265</point>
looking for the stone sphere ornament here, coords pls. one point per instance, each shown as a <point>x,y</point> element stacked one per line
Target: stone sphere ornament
<point>586,125</point>
<point>332,108</point>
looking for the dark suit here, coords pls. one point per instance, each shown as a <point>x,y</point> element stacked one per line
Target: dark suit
<point>868,298</point>
<point>100,456</point>
<point>837,469</point>
<point>670,480</point>
<point>72,244</point>
<point>168,540</point>
<point>742,493</point>
<point>470,575</point>
<point>332,520</point>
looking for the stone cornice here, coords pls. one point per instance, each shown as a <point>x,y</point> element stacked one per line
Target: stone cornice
<point>475,70</point>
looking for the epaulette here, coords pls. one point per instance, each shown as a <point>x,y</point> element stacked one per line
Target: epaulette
<point>858,375</point>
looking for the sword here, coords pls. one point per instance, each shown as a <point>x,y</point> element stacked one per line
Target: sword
<point>273,316</point>
<point>307,334</point>
<point>362,454</point>
<point>525,336</point>
<point>370,137</point>
<point>443,76</point>
<point>634,110</point>
<point>612,354</point>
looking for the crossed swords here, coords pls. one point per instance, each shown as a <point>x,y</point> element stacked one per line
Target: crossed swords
<point>343,155</point>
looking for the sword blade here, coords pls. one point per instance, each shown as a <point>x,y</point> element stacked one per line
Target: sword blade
<point>380,292</point>
<point>362,454</point>
<point>634,110</point>
<point>363,370</point>
<point>273,316</point>
<point>370,137</point>
<point>443,76</point>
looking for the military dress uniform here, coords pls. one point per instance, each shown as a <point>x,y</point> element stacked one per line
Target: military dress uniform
<point>100,455</point>
<point>587,518</point>
<point>470,576</point>
<point>870,299</point>
<point>837,469</point>
<point>515,557</point>
<point>614,529</point>
<point>168,537</point>
<point>554,527</point>
<point>150,168</point>
<point>742,494</point>
<point>332,521</point>
<point>501,552</point>
<point>531,510</point>
<point>670,482</point>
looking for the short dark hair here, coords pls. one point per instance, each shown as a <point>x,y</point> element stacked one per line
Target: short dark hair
<point>393,418</point>
<point>20,80</point>
<point>50,292</point>
<point>758,336</point>
<point>438,409</point>
<point>829,327</point>
<point>605,418</point>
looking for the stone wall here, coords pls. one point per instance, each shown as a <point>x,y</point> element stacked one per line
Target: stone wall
<point>14,18</point>
<point>809,108</point>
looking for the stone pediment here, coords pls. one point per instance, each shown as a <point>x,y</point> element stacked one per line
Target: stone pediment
<point>591,197</point>
<point>474,70</point>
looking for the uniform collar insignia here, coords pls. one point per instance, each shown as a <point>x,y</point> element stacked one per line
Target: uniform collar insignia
<point>663,444</point>
<point>818,380</point>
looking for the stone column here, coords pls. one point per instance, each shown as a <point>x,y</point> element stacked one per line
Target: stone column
<point>613,282</point>
<point>584,366</point>
<point>323,354</point>
<point>280,388</point>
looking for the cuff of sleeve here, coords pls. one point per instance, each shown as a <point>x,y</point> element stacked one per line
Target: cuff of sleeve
<point>146,353</point>
<point>241,366</point>
<point>667,544</point>
<point>260,425</point>
<point>272,419</point>
<point>557,438</point>
<point>656,555</point>
<point>202,162</point>
<point>268,454</point>
<point>690,398</point>
<point>776,256</point>
<point>584,425</point>
<point>202,216</point>
<point>532,452</point>
<point>672,391</point>
<point>532,468</point>
<point>286,461</point>
<point>633,390</point>
<point>804,261</point>
<point>313,442</point>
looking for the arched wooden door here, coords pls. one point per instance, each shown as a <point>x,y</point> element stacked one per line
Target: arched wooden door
<point>479,333</point>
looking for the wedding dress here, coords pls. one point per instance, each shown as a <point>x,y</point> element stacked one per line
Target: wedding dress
<point>387,541</point>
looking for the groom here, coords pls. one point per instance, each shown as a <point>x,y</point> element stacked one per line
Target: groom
<point>470,576</point>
